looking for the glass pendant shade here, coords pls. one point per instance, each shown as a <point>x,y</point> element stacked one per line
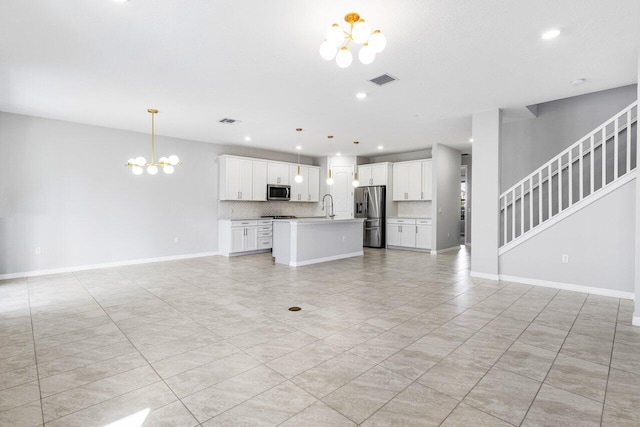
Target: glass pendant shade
<point>137,170</point>
<point>174,160</point>
<point>152,170</point>
<point>329,178</point>
<point>328,51</point>
<point>361,32</point>
<point>168,169</point>
<point>140,161</point>
<point>355,182</point>
<point>298,177</point>
<point>335,36</point>
<point>377,41</point>
<point>366,54</point>
<point>344,57</point>
<point>163,160</point>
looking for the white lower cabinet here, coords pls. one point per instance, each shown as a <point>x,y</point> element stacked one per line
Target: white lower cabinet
<point>239,236</point>
<point>423,234</point>
<point>409,233</point>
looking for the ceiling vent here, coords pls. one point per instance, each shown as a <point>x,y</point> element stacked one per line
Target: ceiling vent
<point>228,121</point>
<point>383,79</point>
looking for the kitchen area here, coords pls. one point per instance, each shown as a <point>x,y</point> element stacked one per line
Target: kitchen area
<point>309,213</point>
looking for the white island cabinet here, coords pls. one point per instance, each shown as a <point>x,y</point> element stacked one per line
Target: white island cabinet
<point>306,241</point>
<point>243,236</point>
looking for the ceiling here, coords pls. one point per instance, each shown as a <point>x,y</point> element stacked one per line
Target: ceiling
<point>104,63</point>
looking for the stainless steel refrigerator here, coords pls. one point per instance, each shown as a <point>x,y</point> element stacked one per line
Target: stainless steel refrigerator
<point>370,204</point>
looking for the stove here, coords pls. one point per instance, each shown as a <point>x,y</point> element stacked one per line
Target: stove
<point>278,216</point>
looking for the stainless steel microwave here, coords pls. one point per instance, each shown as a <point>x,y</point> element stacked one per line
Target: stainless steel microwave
<point>278,192</point>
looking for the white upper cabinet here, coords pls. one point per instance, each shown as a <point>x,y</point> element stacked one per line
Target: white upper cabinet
<point>278,173</point>
<point>309,189</point>
<point>407,181</point>
<point>243,178</point>
<point>259,180</point>
<point>373,174</point>
<point>314,184</point>
<point>235,180</point>
<point>299,191</point>
<point>427,180</point>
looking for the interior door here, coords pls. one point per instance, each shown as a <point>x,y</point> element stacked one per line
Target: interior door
<point>342,191</point>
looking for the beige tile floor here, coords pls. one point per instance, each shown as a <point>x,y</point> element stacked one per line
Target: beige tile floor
<point>394,338</point>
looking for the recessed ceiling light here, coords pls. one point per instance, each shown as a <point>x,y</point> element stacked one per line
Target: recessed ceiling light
<point>551,34</point>
<point>361,95</point>
<point>577,82</point>
<point>247,138</point>
<point>470,139</point>
<point>298,147</point>
<point>120,1</point>
<point>380,147</point>
<point>338,154</point>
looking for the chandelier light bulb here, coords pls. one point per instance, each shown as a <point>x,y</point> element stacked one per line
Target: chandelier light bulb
<point>137,170</point>
<point>328,51</point>
<point>131,162</point>
<point>361,32</point>
<point>344,57</point>
<point>168,169</point>
<point>335,36</point>
<point>173,160</point>
<point>152,170</point>
<point>355,182</point>
<point>163,161</point>
<point>329,181</point>
<point>140,161</point>
<point>366,54</point>
<point>377,41</point>
<point>299,179</point>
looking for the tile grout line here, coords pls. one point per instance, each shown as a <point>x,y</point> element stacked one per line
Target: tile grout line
<point>461,344</point>
<point>413,342</point>
<point>613,343</point>
<point>554,360</point>
<point>145,359</point>
<point>35,353</point>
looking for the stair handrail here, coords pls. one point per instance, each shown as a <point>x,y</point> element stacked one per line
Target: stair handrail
<point>573,146</point>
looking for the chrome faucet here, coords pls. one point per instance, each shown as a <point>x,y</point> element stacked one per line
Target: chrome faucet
<point>332,215</point>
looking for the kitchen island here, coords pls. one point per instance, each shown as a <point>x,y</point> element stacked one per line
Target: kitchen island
<point>307,241</point>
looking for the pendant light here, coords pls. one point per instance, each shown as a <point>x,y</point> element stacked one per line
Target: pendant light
<point>139,162</point>
<point>329,177</point>
<point>298,177</point>
<point>355,182</point>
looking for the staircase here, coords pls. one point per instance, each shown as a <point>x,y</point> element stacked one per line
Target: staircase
<point>595,165</point>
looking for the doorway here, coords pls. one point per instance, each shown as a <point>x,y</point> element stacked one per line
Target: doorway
<point>463,205</point>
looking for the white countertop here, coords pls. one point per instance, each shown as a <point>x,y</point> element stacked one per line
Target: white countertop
<point>322,220</point>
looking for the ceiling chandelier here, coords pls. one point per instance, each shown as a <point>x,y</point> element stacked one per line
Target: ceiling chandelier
<point>337,40</point>
<point>167,163</point>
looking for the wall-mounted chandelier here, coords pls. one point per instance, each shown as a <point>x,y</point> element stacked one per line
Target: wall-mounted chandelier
<point>167,163</point>
<point>337,41</point>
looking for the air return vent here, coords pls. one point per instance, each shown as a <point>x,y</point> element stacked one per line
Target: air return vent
<point>383,79</point>
<point>228,121</point>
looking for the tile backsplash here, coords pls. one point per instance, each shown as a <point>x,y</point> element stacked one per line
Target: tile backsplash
<point>240,210</point>
<point>414,209</point>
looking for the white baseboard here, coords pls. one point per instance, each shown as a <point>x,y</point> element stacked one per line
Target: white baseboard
<point>635,321</point>
<point>569,287</point>
<point>441,251</point>
<point>325,259</point>
<point>235,254</point>
<point>484,275</point>
<point>35,273</point>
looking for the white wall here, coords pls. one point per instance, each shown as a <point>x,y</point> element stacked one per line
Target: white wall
<point>402,157</point>
<point>446,203</point>
<point>64,188</point>
<point>468,161</point>
<point>596,238</point>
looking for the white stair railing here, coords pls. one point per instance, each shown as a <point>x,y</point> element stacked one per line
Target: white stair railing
<point>594,162</point>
